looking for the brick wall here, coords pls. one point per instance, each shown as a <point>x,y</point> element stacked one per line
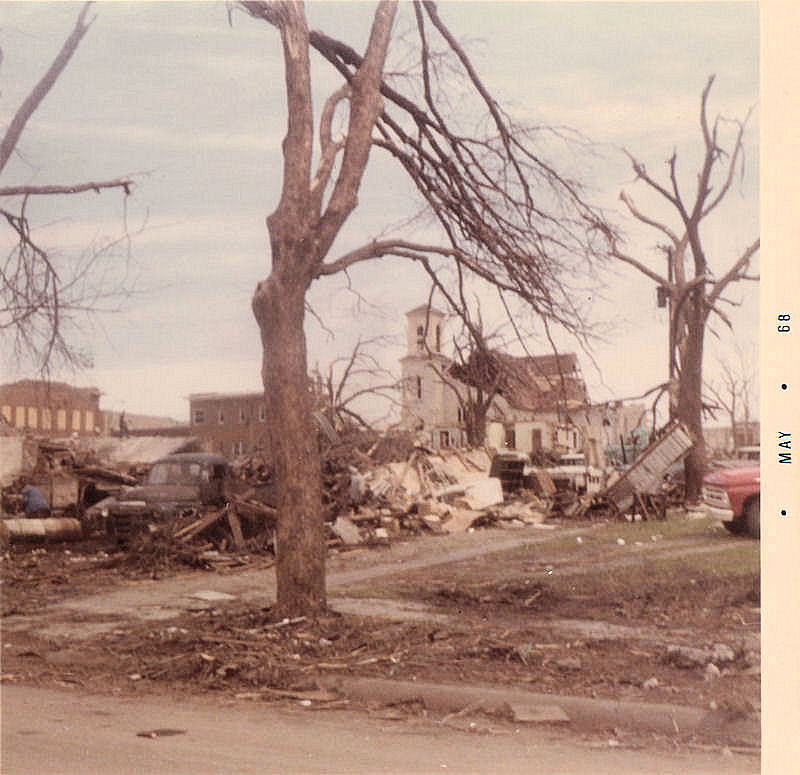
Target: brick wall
<point>51,408</point>
<point>230,423</point>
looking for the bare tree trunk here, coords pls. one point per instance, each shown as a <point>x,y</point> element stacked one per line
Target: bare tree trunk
<point>279,308</point>
<point>733,422</point>
<point>301,234</point>
<point>475,416</point>
<point>690,402</point>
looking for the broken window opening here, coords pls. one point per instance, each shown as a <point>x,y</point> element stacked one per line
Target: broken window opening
<point>511,438</point>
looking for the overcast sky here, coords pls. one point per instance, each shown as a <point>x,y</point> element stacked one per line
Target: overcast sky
<point>194,109</point>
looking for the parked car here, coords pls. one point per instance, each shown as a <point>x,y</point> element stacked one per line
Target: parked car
<point>175,484</point>
<point>733,495</point>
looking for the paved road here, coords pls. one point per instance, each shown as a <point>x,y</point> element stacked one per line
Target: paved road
<point>68,733</point>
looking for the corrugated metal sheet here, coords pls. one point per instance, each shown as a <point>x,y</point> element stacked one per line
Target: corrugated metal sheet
<point>647,471</point>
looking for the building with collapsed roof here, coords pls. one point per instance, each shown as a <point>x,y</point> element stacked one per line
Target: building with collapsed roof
<point>540,403</point>
<point>51,409</point>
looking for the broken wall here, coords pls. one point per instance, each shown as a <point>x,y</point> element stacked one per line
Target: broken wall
<point>17,455</point>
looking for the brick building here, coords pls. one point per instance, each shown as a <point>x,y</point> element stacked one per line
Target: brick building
<point>51,409</point>
<point>230,423</point>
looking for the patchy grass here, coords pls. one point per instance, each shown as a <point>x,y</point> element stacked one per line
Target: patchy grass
<point>606,534</point>
<point>720,578</point>
<point>666,550</point>
<point>694,574</point>
<point>648,588</point>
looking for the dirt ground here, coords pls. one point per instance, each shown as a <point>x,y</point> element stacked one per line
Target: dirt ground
<point>612,610</point>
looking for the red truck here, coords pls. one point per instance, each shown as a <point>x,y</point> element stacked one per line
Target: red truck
<point>733,495</point>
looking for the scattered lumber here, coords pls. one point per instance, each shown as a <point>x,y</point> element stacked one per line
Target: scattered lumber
<point>198,526</point>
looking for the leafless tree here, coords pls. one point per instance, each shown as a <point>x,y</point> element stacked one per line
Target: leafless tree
<point>349,382</point>
<point>40,297</point>
<point>481,372</point>
<point>504,214</point>
<point>477,377</point>
<point>692,290</point>
<point>734,393</point>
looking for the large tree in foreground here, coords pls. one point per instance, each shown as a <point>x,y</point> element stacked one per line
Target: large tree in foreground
<point>502,215</point>
<point>692,290</point>
<point>41,296</point>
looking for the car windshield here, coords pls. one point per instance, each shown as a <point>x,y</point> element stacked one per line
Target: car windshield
<point>173,472</point>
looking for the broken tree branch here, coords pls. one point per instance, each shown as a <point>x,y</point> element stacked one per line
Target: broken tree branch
<point>124,183</point>
<point>42,88</point>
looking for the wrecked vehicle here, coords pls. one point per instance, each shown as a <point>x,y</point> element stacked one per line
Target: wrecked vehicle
<point>177,484</point>
<point>574,473</point>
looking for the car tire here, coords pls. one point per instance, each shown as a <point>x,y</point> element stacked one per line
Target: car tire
<point>752,516</point>
<point>735,526</point>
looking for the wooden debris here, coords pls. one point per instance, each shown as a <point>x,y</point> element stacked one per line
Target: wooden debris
<point>536,713</point>
<point>543,483</point>
<point>314,695</point>
<point>285,623</point>
<point>198,526</point>
<point>236,529</point>
<point>105,474</point>
<point>246,507</point>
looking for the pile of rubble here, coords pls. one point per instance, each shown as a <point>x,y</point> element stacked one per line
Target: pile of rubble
<point>71,478</point>
<point>443,492</point>
<point>375,490</point>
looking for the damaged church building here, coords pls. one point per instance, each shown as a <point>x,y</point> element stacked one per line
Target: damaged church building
<point>537,405</point>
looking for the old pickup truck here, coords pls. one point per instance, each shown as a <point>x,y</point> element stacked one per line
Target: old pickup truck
<point>733,495</point>
<point>175,484</point>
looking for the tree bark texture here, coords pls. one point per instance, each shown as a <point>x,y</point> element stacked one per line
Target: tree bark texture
<point>690,392</point>
<point>300,547</point>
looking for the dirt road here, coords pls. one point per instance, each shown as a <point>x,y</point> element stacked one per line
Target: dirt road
<point>167,598</point>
